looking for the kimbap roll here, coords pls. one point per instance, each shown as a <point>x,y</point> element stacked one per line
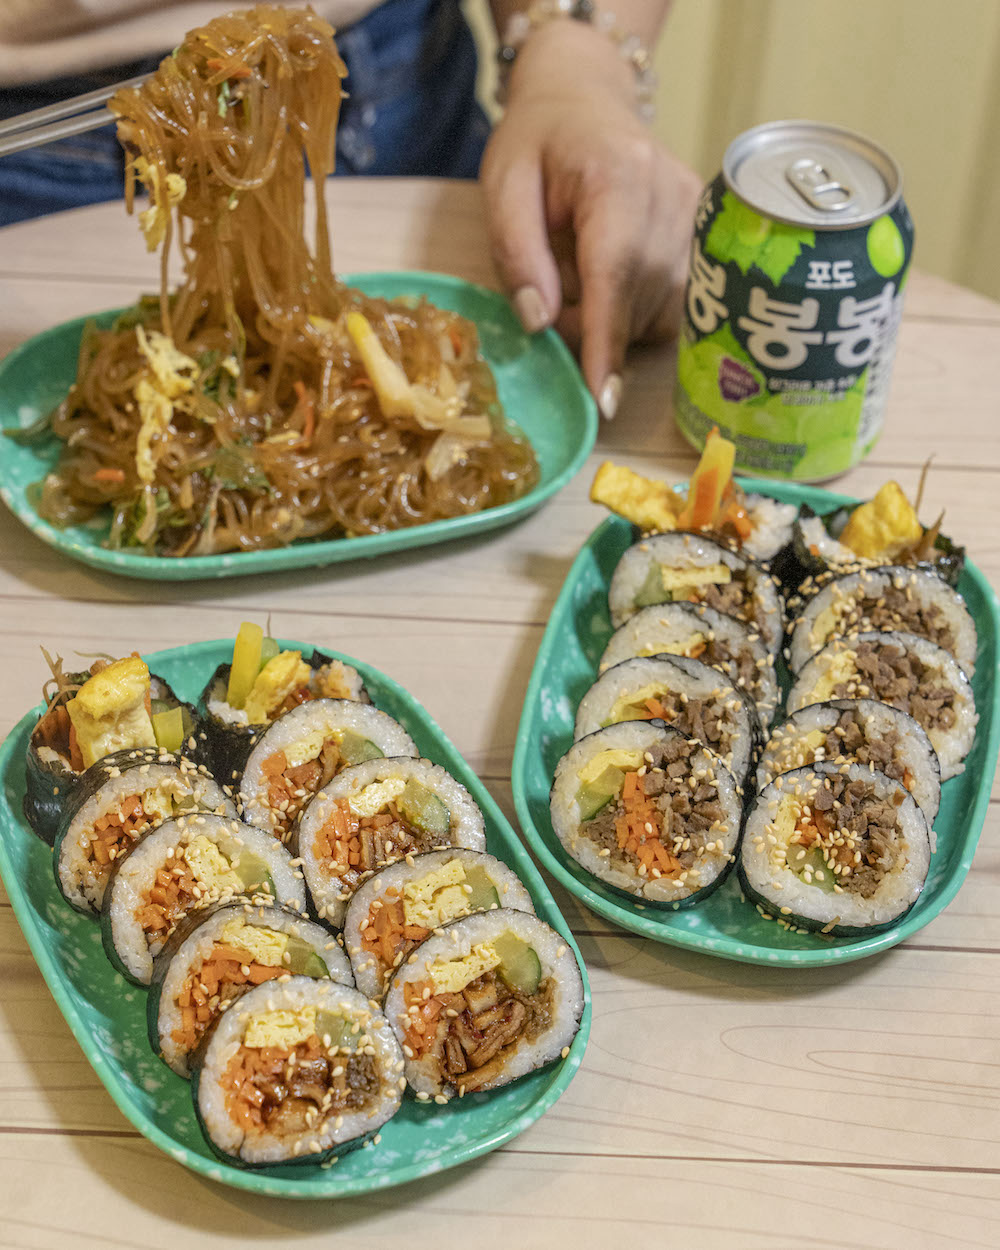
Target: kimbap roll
<point>683,567</point>
<point>647,810</point>
<point>305,749</point>
<point>894,599</point>
<point>296,1071</point>
<point>181,867</point>
<point>401,905</point>
<point>218,956</point>
<point>836,848</point>
<point>905,671</point>
<point>118,800</point>
<point>704,634</point>
<point>246,696</point>
<point>687,694</point>
<point>375,813</point>
<point>860,731</point>
<point>491,998</point>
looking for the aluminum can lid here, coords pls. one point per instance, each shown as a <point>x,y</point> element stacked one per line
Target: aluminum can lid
<point>812,174</point>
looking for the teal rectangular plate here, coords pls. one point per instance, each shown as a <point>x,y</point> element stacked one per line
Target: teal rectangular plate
<point>724,924</point>
<point>540,388</point>
<point>108,1016</point>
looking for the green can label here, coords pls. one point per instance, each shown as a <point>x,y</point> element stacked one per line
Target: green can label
<point>789,335</point>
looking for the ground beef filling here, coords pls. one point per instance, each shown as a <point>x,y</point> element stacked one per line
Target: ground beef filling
<point>290,789</point>
<point>709,720</point>
<point>847,740</point>
<point>856,832</point>
<point>891,611</point>
<point>667,826</point>
<point>734,598</point>
<point>350,846</point>
<point>887,672</point>
<point>290,1092</point>
<point>472,1034</point>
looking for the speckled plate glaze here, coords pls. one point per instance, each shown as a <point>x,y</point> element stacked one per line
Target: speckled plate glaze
<point>724,924</point>
<point>540,388</point>
<point>108,1016</point>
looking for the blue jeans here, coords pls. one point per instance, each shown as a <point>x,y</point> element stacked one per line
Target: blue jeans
<point>411,110</point>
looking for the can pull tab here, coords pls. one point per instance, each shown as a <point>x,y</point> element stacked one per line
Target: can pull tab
<point>818,186</point>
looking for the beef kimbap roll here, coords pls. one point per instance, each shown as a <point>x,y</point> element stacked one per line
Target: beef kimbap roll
<point>894,599</point>
<point>860,731</point>
<point>260,684</point>
<point>375,813</point>
<point>218,956</point>
<point>704,634</point>
<point>905,671</point>
<point>117,801</point>
<point>687,694</point>
<point>491,998</point>
<point>296,1071</point>
<point>184,866</point>
<point>648,811</point>
<point>305,749</point>
<point>836,848</point>
<point>403,904</point>
<point>683,567</point>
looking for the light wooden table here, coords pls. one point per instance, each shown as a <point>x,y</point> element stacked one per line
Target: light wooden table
<point>719,1105</point>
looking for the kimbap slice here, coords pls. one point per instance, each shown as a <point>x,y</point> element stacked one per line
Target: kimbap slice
<point>683,567</point>
<point>907,672</point>
<point>117,801</point>
<point>296,1072</point>
<point>859,731</point>
<point>648,811</point>
<point>837,848</point>
<point>374,814</point>
<point>704,634</point>
<point>305,749</point>
<point>215,958</point>
<point>493,997</point>
<point>115,706</point>
<point>184,866</point>
<point>687,694</point>
<point>261,683</point>
<point>404,903</point>
<point>894,599</point>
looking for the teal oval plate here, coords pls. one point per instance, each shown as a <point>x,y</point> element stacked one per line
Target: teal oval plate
<point>724,924</point>
<point>540,388</point>
<point>108,1016</point>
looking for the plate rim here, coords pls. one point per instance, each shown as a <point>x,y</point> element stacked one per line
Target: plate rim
<point>321,1184</point>
<point>651,923</point>
<point>318,552</point>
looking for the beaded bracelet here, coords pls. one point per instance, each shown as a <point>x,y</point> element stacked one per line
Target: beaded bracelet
<point>630,46</point>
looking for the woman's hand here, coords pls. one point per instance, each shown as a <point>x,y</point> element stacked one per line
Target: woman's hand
<point>590,217</point>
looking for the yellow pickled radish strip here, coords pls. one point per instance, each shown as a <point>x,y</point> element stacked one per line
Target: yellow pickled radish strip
<point>168,729</point>
<point>246,663</point>
<point>708,483</point>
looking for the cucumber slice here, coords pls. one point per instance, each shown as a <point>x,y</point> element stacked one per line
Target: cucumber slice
<point>599,792</point>
<point>337,1029</point>
<point>520,967</point>
<point>303,960</point>
<point>356,750</point>
<point>652,591</point>
<point>254,874</point>
<point>799,859</point>
<point>268,650</point>
<point>422,807</point>
<point>484,894</point>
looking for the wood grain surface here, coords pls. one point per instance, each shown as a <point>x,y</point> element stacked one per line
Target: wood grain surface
<point>719,1105</point>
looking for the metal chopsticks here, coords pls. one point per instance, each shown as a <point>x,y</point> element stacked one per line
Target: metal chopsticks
<point>61,120</point>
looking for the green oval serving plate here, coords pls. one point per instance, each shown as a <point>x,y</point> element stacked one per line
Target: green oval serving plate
<point>540,388</point>
<point>108,1016</point>
<point>724,924</point>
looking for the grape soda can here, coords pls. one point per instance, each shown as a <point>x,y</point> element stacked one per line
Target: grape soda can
<point>794,299</point>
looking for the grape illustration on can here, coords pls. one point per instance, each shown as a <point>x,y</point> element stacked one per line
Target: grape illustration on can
<point>794,299</point>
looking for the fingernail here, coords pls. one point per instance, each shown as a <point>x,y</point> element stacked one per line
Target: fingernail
<point>530,309</point>
<point>610,396</point>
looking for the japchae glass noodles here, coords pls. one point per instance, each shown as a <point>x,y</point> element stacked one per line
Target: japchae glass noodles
<point>263,401</point>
